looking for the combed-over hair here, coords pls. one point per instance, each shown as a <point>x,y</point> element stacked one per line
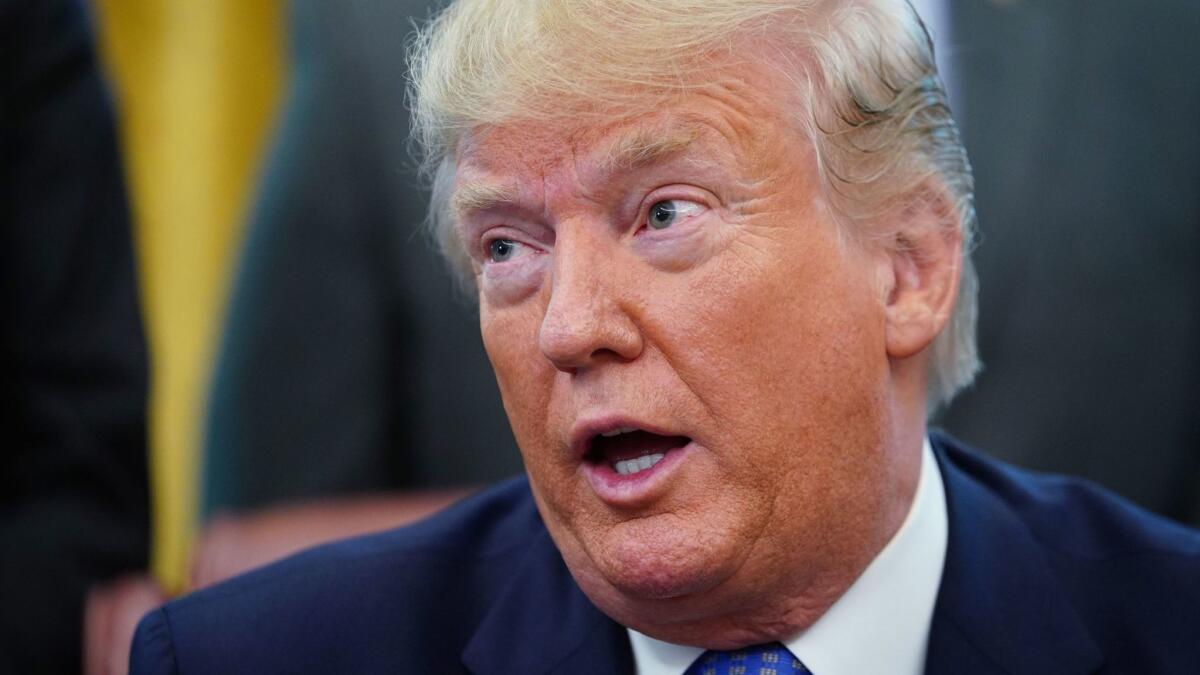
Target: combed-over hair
<point>869,98</point>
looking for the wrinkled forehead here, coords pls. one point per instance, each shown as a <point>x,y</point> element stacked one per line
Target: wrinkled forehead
<point>717,122</point>
<point>524,150</point>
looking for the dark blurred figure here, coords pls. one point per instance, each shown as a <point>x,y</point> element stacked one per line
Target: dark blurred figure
<point>73,482</point>
<point>348,365</point>
<point>1081,121</point>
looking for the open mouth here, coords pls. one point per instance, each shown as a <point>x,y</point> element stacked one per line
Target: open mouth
<point>630,451</point>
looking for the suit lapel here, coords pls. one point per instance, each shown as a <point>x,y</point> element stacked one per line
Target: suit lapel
<point>1000,609</point>
<point>542,623</point>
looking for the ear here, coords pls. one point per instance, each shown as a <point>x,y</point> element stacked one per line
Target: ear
<point>921,274</point>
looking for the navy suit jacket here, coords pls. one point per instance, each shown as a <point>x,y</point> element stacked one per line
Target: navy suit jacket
<point>1043,575</point>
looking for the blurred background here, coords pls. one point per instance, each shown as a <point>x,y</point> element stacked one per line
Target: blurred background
<point>229,338</point>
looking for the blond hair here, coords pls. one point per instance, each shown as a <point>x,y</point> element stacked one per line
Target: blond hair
<point>871,101</point>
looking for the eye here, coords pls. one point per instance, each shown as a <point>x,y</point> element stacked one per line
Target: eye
<point>667,212</point>
<point>501,250</point>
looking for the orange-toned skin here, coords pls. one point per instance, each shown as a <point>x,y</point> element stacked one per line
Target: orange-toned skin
<point>791,354</point>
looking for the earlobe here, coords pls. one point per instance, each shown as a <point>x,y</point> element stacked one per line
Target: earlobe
<point>925,259</point>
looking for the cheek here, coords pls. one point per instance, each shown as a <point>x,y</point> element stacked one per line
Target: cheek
<point>784,347</point>
<point>508,284</point>
<point>524,376</point>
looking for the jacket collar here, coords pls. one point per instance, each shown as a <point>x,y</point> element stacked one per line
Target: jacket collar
<point>1000,608</point>
<point>543,623</point>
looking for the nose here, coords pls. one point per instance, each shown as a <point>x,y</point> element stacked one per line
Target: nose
<point>586,322</point>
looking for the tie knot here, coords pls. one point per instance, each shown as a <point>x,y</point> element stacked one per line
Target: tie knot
<point>768,659</point>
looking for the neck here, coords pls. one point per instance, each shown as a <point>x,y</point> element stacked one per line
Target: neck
<point>794,603</point>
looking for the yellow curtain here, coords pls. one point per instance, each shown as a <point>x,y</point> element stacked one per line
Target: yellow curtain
<point>197,86</point>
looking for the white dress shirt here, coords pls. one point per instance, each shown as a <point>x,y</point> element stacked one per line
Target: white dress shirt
<point>881,623</point>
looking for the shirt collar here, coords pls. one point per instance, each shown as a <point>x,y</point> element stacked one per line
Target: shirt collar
<point>889,607</point>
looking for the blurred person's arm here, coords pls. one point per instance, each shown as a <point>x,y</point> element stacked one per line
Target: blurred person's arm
<point>111,616</point>
<point>233,543</point>
<point>73,481</point>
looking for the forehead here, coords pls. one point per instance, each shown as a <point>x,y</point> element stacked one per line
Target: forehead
<point>741,114</point>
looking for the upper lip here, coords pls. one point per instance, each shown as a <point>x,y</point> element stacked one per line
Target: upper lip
<point>584,430</point>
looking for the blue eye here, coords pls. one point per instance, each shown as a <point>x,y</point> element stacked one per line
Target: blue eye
<point>501,249</point>
<point>663,214</point>
<point>669,211</point>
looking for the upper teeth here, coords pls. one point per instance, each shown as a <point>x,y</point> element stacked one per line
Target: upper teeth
<point>629,466</point>
<point>615,432</point>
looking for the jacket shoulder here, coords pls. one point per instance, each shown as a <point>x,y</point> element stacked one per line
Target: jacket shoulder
<point>1131,577</point>
<point>1070,516</point>
<point>368,604</point>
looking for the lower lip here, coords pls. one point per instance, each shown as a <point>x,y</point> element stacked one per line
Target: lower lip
<point>636,489</point>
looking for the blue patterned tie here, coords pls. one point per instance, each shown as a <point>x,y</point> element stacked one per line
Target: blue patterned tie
<point>769,659</point>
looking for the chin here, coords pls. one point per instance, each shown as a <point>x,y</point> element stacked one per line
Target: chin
<point>653,558</point>
<point>684,602</point>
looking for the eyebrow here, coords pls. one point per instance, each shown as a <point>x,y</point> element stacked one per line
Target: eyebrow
<point>647,146</point>
<point>481,196</point>
<point>641,148</point>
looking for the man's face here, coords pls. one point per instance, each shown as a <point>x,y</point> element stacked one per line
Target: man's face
<point>691,354</point>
